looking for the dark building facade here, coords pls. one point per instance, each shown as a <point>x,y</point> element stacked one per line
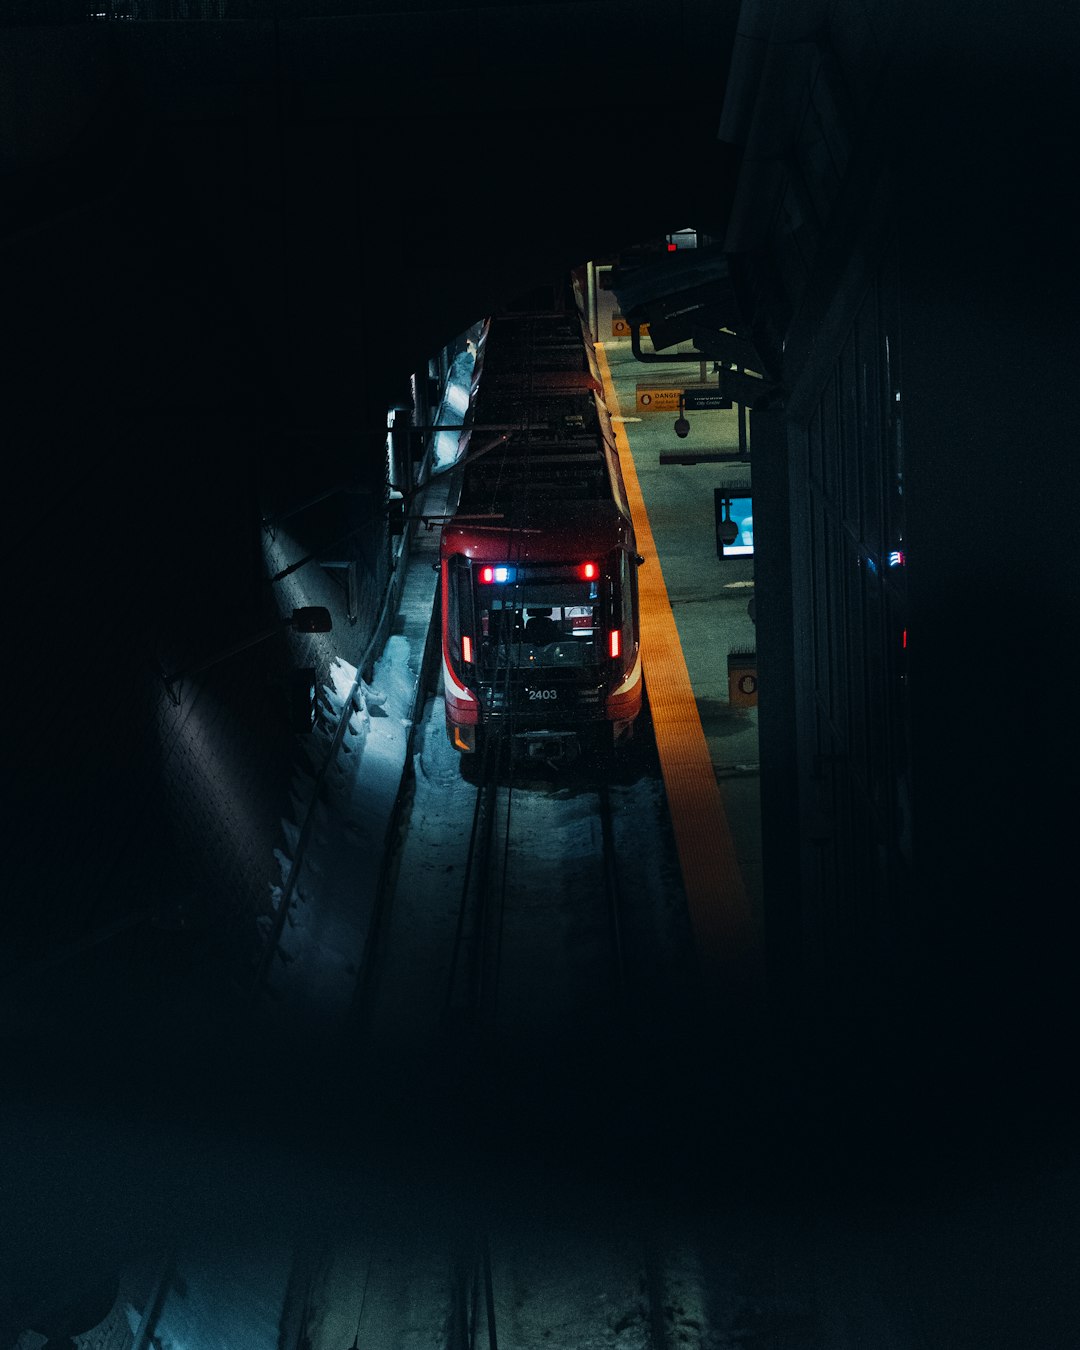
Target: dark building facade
<point>897,225</point>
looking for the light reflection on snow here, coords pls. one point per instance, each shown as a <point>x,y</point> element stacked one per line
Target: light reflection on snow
<point>331,908</point>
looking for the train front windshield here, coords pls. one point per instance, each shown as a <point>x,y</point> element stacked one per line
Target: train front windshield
<point>529,620</point>
<point>540,625</point>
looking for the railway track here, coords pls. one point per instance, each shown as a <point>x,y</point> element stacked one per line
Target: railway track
<point>472,981</point>
<point>503,975</point>
<point>512,934</point>
<point>472,1324</point>
<point>485,876</point>
<point>532,843</point>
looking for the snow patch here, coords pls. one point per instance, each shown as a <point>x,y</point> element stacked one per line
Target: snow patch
<point>344,677</point>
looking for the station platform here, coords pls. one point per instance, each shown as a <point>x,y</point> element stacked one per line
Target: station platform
<point>708,599</point>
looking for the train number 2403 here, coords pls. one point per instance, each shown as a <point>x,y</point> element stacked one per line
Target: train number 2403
<point>536,695</point>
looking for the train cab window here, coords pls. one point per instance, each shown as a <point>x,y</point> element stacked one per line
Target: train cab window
<point>540,624</point>
<point>542,628</point>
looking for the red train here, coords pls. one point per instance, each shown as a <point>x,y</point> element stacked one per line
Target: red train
<point>539,564</point>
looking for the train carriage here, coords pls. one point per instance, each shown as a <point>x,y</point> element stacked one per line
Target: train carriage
<point>539,562</point>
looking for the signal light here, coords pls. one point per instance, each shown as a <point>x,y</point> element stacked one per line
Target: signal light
<point>589,571</point>
<point>466,649</point>
<point>497,574</point>
<point>613,642</point>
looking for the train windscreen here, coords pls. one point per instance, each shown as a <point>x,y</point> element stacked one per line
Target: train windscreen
<point>539,624</point>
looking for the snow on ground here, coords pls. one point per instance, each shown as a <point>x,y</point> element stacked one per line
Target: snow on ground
<point>335,891</point>
<point>430,870</point>
<point>225,1300</point>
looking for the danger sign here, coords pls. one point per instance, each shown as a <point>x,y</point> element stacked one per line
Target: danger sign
<point>651,399</point>
<point>620,328</point>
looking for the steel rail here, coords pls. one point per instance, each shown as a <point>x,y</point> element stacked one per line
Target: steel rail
<point>654,1289</point>
<point>384,886</point>
<point>471,1276</point>
<point>480,855</point>
<point>466,955</point>
<point>612,891</point>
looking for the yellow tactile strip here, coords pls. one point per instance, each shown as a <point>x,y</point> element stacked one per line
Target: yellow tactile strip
<point>715,892</point>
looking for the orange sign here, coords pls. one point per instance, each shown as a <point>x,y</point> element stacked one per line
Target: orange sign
<point>620,328</point>
<point>742,681</point>
<point>652,399</point>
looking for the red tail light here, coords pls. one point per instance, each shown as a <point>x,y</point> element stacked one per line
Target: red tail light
<point>466,650</point>
<point>613,642</point>
<point>589,571</point>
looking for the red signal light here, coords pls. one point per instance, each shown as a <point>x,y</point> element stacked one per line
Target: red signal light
<point>589,571</point>
<point>487,574</point>
<point>671,248</point>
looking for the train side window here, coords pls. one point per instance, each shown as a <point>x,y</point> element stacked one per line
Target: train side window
<point>627,592</point>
